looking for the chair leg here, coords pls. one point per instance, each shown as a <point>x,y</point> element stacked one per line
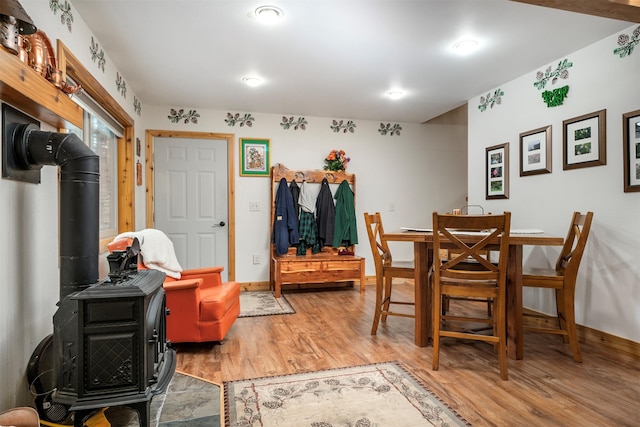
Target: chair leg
<point>560,314</point>
<point>569,320</point>
<point>494,323</point>
<point>437,301</point>
<point>386,297</point>
<point>376,315</point>
<point>502,359</point>
<point>501,331</point>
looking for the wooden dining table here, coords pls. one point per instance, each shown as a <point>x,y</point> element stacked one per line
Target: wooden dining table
<point>423,257</point>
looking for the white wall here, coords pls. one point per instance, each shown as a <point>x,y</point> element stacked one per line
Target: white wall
<point>608,293</point>
<point>413,171</point>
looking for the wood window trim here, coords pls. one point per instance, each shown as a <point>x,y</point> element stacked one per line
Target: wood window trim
<point>71,66</point>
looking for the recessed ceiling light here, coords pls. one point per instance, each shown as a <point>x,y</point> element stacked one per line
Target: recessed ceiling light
<point>395,94</point>
<point>252,81</point>
<point>269,14</point>
<point>465,46</point>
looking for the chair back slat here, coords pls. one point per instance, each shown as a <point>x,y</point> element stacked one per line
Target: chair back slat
<point>495,233</point>
<point>574,244</point>
<point>379,248</point>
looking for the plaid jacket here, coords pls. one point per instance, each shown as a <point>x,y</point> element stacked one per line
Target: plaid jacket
<point>308,232</point>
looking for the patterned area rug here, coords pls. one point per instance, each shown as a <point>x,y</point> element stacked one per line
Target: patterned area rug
<point>383,394</point>
<point>263,303</point>
<point>188,402</point>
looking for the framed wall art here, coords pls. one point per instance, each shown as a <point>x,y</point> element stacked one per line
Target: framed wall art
<point>631,150</point>
<point>254,157</point>
<point>497,171</point>
<point>584,141</point>
<point>535,151</point>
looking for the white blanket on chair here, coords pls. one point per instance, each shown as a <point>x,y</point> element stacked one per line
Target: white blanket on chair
<point>156,250</point>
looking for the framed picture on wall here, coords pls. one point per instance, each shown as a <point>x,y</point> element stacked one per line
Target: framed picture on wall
<point>254,157</point>
<point>535,151</point>
<point>631,150</point>
<point>584,141</point>
<point>497,171</point>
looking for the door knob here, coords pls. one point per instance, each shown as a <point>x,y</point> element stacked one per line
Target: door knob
<point>220,224</point>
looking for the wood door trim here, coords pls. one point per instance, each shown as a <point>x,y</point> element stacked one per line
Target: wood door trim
<point>150,199</point>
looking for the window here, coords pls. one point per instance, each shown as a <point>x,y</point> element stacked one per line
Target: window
<point>104,142</point>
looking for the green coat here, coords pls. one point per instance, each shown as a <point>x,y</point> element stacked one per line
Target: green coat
<point>346,230</point>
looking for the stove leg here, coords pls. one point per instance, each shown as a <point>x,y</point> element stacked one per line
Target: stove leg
<point>144,412</point>
<point>90,418</point>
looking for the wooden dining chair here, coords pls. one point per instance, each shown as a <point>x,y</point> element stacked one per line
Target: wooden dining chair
<point>487,280</point>
<point>386,270</point>
<point>562,279</point>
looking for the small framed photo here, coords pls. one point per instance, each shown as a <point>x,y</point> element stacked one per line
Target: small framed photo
<point>497,171</point>
<point>254,157</point>
<point>584,141</point>
<point>535,151</point>
<point>631,150</point>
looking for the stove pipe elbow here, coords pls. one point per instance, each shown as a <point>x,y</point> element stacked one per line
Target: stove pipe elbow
<point>79,199</point>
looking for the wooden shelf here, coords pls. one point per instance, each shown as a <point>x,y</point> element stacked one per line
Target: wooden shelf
<point>26,90</point>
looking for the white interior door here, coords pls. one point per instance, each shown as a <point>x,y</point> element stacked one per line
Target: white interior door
<point>191,204</point>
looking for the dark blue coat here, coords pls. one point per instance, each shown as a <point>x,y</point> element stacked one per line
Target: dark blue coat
<point>285,221</point>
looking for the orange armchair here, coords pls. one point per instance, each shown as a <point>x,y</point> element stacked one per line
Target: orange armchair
<point>201,307</point>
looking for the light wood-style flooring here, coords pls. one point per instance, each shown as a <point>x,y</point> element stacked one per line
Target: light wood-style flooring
<point>331,329</point>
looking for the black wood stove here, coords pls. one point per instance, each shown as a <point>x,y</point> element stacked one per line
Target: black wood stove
<point>110,344</point>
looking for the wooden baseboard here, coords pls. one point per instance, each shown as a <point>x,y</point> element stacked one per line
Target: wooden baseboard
<point>265,286</point>
<point>254,286</point>
<point>591,336</point>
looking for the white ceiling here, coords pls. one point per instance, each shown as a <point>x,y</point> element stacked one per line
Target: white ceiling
<point>331,58</point>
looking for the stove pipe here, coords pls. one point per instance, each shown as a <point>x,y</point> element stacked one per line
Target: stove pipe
<point>79,199</point>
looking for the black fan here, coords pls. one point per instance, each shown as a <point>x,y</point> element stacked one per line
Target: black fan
<point>41,379</point>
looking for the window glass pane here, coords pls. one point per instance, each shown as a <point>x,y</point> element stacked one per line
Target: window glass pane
<point>105,143</point>
<point>76,130</point>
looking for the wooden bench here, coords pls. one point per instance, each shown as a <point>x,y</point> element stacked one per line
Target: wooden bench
<point>325,266</point>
